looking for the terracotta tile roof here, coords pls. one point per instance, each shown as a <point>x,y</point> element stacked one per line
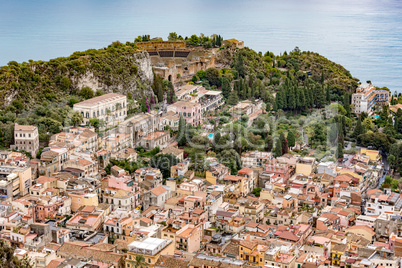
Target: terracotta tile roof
<point>24,128</point>
<point>231,248</point>
<point>54,263</point>
<point>366,228</point>
<point>172,262</point>
<point>158,190</point>
<point>146,220</point>
<point>43,179</point>
<point>289,236</point>
<point>101,99</point>
<point>80,249</point>
<point>245,170</point>
<point>248,244</point>
<point>329,216</point>
<point>155,135</point>
<point>232,178</point>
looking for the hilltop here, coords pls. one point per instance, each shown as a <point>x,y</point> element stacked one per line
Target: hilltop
<point>120,68</point>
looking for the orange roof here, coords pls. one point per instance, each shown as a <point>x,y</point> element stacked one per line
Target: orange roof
<point>245,170</point>
<point>158,190</point>
<point>232,178</point>
<point>155,135</point>
<point>361,227</point>
<point>24,128</point>
<point>43,179</point>
<point>88,209</point>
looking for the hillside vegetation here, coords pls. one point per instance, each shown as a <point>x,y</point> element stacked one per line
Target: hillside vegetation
<point>117,68</point>
<point>301,65</point>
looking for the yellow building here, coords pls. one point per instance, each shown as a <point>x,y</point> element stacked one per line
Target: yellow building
<point>305,166</point>
<point>353,174</point>
<point>151,249</point>
<point>170,233</point>
<point>337,253</point>
<point>210,178</point>
<point>252,252</point>
<point>78,200</point>
<point>266,194</point>
<point>373,154</point>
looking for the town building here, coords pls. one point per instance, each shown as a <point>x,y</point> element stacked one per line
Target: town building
<point>151,249</point>
<point>367,97</point>
<point>26,138</point>
<point>111,108</point>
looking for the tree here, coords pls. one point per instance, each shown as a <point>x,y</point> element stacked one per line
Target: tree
<point>284,142</point>
<point>377,140</point>
<point>233,98</point>
<point>339,150</point>
<point>76,118</point>
<point>231,159</point>
<point>164,162</point>
<point>65,83</point>
<point>181,135</point>
<point>195,79</point>
<point>7,258</point>
<point>278,148</point>
<point>172,36</point>
<point>86,93</point>
<point>226,88</point>
<point>239,64</point>
<point>96,123</point>
<point>144,107</point>
<point>346,104</point>
<point>140,261</point>
<point>291,139</point>
<point>212,75</point>
<point>194,40</point>
<point>359,129</point>
<point>257,191</point>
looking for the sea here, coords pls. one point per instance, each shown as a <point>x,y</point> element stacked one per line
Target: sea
<point>365,36</point>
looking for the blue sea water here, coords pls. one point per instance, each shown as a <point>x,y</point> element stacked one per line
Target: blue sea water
<point>365,36</point>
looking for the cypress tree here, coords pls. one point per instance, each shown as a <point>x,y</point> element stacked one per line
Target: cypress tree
<point>291,139</point>
<point>359,129</point>
<point>284,143</point>
<point>278,148</point>
<point>233,98</point>
<point>328,94</point>
<point>226,87</point>
<point>346,104</point>
<point>279,100</point>
<point>144,107</point>
<point>339,151</point>
<point>181,135</point>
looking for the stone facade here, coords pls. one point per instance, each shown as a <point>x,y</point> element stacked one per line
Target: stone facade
<point>26,139</point>
<point>111,108</point>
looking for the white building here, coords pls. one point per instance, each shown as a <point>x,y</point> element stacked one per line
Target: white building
<point>367,97</point>
<point>111,108</point>
<point>387,203</point>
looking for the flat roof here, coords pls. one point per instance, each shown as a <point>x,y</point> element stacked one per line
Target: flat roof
<point>149,243</point>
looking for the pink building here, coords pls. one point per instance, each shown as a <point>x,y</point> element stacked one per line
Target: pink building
<point>189,110</point>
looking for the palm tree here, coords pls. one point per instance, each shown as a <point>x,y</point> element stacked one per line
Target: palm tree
<point>140,262</point>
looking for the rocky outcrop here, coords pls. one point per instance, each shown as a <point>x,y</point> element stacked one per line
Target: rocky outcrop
<point>139,85</point>
<point>120,68</point>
